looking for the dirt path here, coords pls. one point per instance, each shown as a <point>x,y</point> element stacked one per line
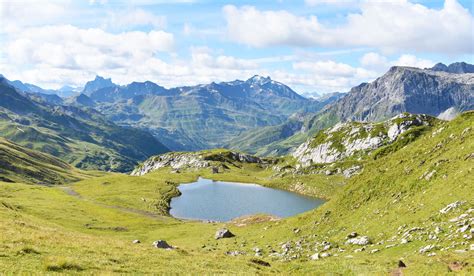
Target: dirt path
<point>68,190</point>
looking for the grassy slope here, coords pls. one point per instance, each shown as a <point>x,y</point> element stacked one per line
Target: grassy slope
<point>47,228</point>
<point>19,164</point>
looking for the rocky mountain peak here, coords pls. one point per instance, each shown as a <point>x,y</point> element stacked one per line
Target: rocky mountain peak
<point>259,80</point>
<point>97,84</point>
<point>454,68</point>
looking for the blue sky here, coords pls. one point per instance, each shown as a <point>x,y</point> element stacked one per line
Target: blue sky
<point>315,46</point>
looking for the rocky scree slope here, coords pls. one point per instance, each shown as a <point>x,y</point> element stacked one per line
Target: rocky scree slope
<point>357,140</point>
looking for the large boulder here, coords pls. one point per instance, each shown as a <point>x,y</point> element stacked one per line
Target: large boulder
<point>223,233</point>
<point>363,240</point>
<point>162,244</point>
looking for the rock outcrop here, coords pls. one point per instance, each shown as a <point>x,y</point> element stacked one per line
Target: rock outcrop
<point>196,160</point>
<point>354,138</point>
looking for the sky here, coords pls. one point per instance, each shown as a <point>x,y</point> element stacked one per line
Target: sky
<point>314,46</point>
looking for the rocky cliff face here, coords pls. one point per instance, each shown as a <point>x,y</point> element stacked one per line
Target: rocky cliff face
<point>355,139</point>
<point>406,89</point>
<point>196,160</point>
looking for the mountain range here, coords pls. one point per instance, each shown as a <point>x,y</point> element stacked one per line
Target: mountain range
<point>258,115</point>
<point>401,89</point>
<point>197,117</point>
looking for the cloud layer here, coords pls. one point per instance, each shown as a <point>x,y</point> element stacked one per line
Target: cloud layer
<point>389,26</point>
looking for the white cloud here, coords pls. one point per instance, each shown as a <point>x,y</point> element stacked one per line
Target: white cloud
<point>129,19</point>
<point>380,63</point>
<point>66,46</point>
<point>313,3</point>
<point>413,61</point>
<point>389,26</point>
<point>330,76</point>
<point>203,57</point>
<point>17,14</point>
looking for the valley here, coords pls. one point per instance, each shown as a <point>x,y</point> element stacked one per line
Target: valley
<point>398,203</point>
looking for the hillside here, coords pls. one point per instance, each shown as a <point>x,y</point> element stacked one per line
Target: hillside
<point>412,205</point>
<point>401,89</point>
<point>81,137</point>
<point>19,164</point>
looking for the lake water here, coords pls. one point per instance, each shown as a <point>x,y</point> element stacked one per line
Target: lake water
<point>222,201</point>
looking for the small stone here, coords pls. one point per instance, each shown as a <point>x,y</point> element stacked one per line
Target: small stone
<point>401,264</point>
<point>404,241</point>
<point>427,248</point>
<point>431,254</point>
<point>315,256</point>
<point>325,255</point>
<point>374,251</point>
<point>136,241</point>
<point>359,250</point>
<point>234,253</point>
<point>296,230</point>
<point>223,233</point>
<point>438,230</point>
<point>463,228</point>
<point>471,247</point>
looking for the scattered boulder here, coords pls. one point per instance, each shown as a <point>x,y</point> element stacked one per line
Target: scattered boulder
<point>363,240</point>
<point>162,244</point>
<point>404,241</point>
<point>260,262</point>
<point>348,173</point>
<point>315,256</point>
<point>234,253</point>
<point>136,241</point>
<point>352,235</point>
<point>325,255</point>
<point>223,233</point>
<point>426,249</point>
<point>451,206</point>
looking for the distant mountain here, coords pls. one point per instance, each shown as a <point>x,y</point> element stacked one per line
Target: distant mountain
<point>65,91</point>
<point>82,137</point>
<point>455,68</point>
<point>81,100</point>
<point>68,91</point>
<point>201,116</point>
<point>401,89</point>
<point>96,84</point>
<point>255,141</point>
